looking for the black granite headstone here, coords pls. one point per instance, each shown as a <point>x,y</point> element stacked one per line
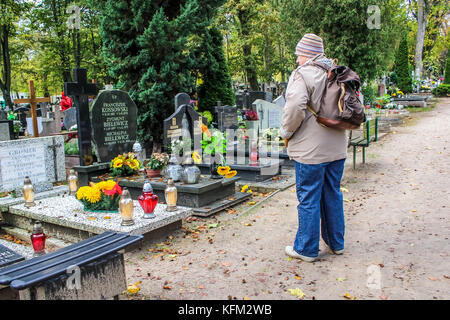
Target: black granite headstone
<point>226,117</point>
<point>8,256</point>
<point>80,90</point>
<point>70,117</point>
<point>173,126</point>
<point>114,124</point>
<point>181,99</point>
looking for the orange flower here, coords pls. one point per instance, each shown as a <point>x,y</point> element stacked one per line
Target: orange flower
<point>206,130</point>
<point>230,174</point>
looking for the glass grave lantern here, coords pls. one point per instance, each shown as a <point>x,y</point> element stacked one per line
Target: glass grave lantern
<point>28,193</point>
<point>148,200</point>
<point>38,239</point>
<point>73,182</point>
<point>171,196</point>
<point>126,208</point>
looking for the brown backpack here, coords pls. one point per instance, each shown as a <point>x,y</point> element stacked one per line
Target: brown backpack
<point>340,107</point>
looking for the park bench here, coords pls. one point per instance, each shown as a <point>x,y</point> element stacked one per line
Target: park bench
<point>368,134</point>
<point>91,269</point>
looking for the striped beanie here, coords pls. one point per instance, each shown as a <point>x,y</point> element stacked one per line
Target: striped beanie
<point>310,46</point>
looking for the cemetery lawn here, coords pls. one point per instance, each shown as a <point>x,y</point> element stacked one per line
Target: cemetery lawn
<point>397,235</point>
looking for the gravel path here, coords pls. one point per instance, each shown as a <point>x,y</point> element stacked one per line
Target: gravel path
<point>397,234</point>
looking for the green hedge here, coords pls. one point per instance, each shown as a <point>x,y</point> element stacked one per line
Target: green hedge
<point>442,90</point>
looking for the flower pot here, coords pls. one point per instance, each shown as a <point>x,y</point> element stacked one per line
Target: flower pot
<point>153,173</point>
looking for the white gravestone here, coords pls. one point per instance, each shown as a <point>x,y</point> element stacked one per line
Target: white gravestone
<point>269,114</point>
<point>42,159</point>
<point>30,125</point>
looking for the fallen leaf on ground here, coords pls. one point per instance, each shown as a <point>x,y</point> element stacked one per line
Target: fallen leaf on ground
<point>247,298</point>
<point>341,279</point>
<point>251,202</point>
<point>107,217</point>
<point>344,189</point>
<point>133,288</point>
<point>346,200</point>
<point>432,278</point>
<point>91,218</point>
<point>297,292</point>
<point>298,277</point>
<point>348,296</point>
<point>213,225</point>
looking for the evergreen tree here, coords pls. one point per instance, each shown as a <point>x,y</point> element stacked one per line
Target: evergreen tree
<point>149,46</point>
<point>404,81</point>
<point>214,72</point>
<point>447,69</point>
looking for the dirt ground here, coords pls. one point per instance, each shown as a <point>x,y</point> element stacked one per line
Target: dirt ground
<point>397,234</point>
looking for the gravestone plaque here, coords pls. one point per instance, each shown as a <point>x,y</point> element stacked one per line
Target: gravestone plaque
<point>3,115</point>
<point>70,117</point>
<point>269,114</point>
<point>42,159</point>
<point>227,117</point>
<point>114,124</point>
<point>8,256</point>
<point>181,99</point>
<point>6,130</point>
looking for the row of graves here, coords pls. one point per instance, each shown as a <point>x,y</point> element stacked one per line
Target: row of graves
<point>117,196</point>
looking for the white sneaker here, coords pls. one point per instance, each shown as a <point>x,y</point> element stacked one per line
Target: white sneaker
<point>292,253</point>
<point>337,252</point>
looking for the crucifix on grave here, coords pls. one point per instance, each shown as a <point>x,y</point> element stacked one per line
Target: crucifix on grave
<point>33,102</point>
<point>80,90</point>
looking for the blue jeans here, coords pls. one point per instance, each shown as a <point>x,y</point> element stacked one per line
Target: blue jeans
<point>320,207</point>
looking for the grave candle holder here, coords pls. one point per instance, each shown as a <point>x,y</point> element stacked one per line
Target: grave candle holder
<point>148,201</point>
<point>126,208</point>
<point>73,182</point>
<point>38,239</point>
<point>171,196</point>
<point>28,192</point>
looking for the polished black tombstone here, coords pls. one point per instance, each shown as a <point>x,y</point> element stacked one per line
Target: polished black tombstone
<point>80,90</point>
<point>226,117</point>
<point>114,124</point>
<point>175,126</point>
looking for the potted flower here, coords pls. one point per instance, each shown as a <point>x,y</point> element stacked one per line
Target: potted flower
<point>100,197</point>
<point>17,125</point>
<point>125,165</point>
<point>251,123</point>
<point>155,164</point>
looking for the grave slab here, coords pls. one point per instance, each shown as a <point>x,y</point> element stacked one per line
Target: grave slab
<point>8,201</point>
<point>263,169</point>
<point>63,217</point>
<point>203,197</point>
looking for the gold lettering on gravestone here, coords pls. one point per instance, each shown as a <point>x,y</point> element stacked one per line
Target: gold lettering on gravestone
<point>115,123</point>
<point>174,133</point>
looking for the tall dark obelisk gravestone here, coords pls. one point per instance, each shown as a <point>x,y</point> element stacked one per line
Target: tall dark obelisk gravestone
<point>79,91</point>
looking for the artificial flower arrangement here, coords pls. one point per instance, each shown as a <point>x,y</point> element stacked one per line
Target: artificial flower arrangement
<point>17,125</point>
<point>226,171</point>
<point>251,115</point>
<point>214,143</point>
<point>103,196</point>
<point>125,165</point>
<point>157,161</point>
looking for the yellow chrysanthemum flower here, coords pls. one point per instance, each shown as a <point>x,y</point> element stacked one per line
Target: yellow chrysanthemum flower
<point>230,174</point>
<point>93,195</point>
<point>223,170</point>
<point>244,188</point>
<point>196,157</point>
<point>105,185</point>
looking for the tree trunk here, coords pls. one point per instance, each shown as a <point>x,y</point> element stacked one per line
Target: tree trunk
<point>5,81</point>
<point>422,15</point>
<point>250,69</point>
